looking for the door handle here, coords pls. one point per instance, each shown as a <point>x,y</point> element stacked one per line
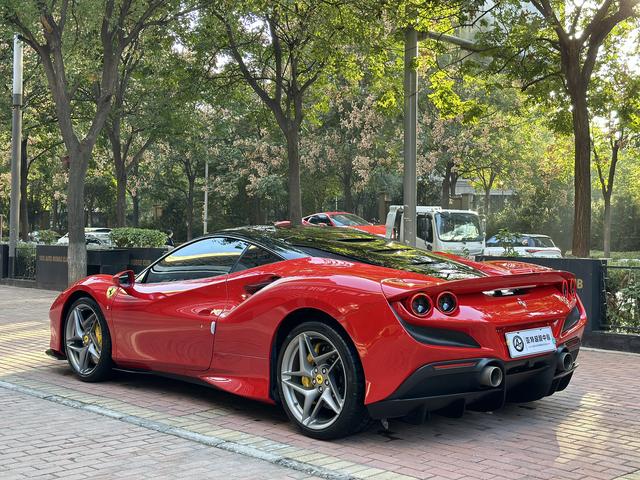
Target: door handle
<point>254,287</point>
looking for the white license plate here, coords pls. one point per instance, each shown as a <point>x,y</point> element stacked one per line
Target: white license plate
<point>530,342</point>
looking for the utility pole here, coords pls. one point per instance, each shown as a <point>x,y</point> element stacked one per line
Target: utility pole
<point>16,140</point>
<point>410,182</point>
<point>205,213</point>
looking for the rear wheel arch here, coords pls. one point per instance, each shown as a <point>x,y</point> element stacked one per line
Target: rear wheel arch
<point>291,321</point>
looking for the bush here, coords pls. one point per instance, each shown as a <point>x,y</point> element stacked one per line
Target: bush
<point>26,261</point>
<point>507,240</point>
<point>138,237</point>
<point>623,298</point>
<point>47,237</point>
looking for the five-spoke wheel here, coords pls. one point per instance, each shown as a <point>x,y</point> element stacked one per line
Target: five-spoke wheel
<point>87,340</point>
<point>321,382</point>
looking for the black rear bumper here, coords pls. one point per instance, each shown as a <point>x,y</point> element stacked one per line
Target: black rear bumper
<point>454,386</point>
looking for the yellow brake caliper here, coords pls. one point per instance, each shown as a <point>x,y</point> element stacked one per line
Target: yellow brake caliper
<point>98,333</point>
<point>306,381</point>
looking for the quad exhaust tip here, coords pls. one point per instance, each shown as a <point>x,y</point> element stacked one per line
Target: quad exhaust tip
<point>566,361</point>
<point>491,376</point>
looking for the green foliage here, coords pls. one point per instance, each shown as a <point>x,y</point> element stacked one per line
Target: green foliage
<point>507,241</point>
<point>47,237</point>
<point>623,298</point>
<point>138,237</point>
<point>26,261</point>
<point>185,104</point>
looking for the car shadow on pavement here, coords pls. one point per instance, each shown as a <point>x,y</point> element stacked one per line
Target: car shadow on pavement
<point>515,418</point>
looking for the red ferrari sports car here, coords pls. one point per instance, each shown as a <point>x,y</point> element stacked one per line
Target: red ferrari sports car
<point>338,219</point>
<point>336,325</point>
<point>344,219</point>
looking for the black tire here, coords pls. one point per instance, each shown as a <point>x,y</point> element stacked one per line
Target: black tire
<point>104,367</point>
<point>353,417</point>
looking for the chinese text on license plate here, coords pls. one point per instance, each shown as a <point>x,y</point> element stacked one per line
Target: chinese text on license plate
<point>530,342</point>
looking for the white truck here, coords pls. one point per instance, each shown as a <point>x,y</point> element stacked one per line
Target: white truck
<point>439,230</point>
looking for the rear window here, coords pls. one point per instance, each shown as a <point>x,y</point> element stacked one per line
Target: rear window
<point>348,220</point>
<point>399,257</point>
<point>541,242</point>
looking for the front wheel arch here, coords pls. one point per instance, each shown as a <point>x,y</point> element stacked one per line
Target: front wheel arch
<point>291,321</point>
<point>78,294</point>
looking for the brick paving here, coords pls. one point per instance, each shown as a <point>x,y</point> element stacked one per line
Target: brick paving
<point>41,439</point>
<point>591,430</point>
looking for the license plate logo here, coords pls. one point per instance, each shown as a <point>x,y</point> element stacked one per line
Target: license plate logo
<point>530,342</point>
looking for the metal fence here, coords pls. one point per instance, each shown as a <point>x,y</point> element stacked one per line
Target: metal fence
<point>622,293</point>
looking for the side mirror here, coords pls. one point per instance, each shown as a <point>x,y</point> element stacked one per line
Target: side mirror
<point>124,279</point>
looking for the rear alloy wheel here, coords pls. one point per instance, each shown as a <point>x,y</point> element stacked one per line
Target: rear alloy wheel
<point>321,383</point>
<point>87,341</point>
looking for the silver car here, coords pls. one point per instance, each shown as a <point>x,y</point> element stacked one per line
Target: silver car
<point>524,245</point>
<point>96,236</point>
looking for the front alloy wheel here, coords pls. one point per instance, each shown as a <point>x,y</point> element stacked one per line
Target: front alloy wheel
<point>87,341</point>
<point>321,382</point>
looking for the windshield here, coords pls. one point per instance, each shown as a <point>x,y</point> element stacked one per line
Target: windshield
<point>348,220</point>
<point>458,227</point>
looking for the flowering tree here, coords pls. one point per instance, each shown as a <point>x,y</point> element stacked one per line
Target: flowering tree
<point>352,139</point>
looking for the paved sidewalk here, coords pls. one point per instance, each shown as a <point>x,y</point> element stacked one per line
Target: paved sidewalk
<point>41,439</point>
<point>591,430</point>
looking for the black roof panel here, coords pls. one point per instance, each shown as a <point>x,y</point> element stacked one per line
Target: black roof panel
<point>355,245</point>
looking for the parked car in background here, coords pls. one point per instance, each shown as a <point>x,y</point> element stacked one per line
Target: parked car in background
<point>523,245</point>
<point>343,219</point>
<point>95,236</point>
<point>440,230</point>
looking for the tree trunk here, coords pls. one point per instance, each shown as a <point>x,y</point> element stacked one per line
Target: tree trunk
<point>77,253</point>
<point>121,196</point>
<point>607,226</point>
<point>135,200</point>
<point>582,183</point>
<point>487,202</point>
<point>190,209</point>
<point>293,156</point>
<point>136,211</point>
<point>446,187</point>
<point>119,162</point>
<point>24,175</point>
<point>53,219</point>
<point>452,184</point>
<point>121,187</point>
<point>346,188</point>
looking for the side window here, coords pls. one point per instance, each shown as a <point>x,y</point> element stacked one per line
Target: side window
<point>314,220</point>
<point>493,242</point>
<point>397,225</point>
<point>255,256</point>
<point>424,228</point>
<point>324,220</point>
<point>208,257</point>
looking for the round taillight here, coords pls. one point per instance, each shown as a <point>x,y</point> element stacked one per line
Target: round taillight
<point>447,303</point>
<point>420,305</point>
<point>565,289</point>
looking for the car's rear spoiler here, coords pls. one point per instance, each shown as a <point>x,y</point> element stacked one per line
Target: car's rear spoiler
<point>395,288</point>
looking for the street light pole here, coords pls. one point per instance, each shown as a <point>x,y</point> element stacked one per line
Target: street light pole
<point>16,139</point>
<point>410,183</point>
<point>205,213</point>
